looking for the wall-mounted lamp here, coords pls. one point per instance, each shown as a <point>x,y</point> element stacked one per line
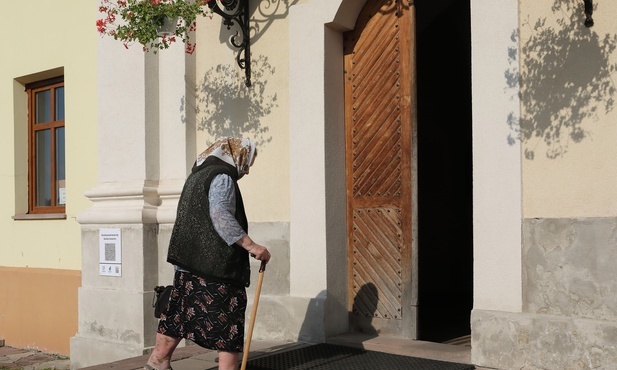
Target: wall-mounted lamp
<point>588,13</point>
<point>237,12</point>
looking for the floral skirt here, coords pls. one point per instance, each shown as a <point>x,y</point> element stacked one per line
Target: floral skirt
<point>209,314</point>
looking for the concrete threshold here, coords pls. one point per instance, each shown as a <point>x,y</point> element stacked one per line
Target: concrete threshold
<point>407,347</point>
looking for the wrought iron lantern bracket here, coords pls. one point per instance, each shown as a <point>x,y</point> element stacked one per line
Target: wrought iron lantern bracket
<point>236,12</point>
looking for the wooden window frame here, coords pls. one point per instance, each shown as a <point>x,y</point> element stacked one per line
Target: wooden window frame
<point>53,124</point>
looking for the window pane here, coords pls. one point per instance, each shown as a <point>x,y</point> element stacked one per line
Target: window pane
<point>43,106</point>
<point>60,104</point>
<point>60,168</point>
<point>43,168</point>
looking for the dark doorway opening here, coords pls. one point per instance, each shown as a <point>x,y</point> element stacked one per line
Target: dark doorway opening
<point>445,245</point>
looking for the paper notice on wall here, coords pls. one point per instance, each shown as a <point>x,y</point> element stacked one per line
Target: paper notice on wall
<point>62,196</point>
<point>110,252</point>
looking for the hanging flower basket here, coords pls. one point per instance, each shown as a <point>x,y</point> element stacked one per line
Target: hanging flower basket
<point>168,27</point>
<point>155,24</point>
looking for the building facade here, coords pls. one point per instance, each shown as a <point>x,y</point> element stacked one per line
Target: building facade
<point>544,202</point>
<point>48,113</point>
<point>426,171</point>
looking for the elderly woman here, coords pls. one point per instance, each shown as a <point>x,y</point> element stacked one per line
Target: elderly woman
<point>209,248</point>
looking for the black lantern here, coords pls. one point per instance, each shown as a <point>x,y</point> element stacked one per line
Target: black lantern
<point>588,13</point>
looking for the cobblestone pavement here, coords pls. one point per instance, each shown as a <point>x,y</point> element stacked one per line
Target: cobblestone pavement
<point>24,359</point>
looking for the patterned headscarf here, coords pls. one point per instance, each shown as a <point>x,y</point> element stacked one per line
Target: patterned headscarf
<point>238,152</point>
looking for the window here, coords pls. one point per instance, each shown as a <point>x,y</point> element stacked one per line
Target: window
<point>46,167</point>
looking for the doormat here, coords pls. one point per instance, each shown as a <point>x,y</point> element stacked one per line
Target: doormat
<point>329,356</point>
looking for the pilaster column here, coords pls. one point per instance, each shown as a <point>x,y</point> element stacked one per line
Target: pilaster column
<point>142,162</point>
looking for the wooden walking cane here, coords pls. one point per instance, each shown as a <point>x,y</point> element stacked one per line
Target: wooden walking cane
<point>247,345</point>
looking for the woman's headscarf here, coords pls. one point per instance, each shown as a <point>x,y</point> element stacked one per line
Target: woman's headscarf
<point>238,152</point>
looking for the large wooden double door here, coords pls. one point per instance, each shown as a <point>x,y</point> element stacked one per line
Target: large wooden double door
<point>380,160</point>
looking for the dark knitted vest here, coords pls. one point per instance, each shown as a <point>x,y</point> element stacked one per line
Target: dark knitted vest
<point>195,245</point>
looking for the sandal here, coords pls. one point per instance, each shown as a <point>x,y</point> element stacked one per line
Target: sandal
<point>149,367</point>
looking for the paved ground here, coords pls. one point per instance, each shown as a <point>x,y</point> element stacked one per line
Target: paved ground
<point>196,358</point>
<point>15,358</point>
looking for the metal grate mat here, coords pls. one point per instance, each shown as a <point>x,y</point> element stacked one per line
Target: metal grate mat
<point>329,356</point>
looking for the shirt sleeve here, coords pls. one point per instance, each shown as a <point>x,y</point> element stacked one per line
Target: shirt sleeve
<point>222,197</point>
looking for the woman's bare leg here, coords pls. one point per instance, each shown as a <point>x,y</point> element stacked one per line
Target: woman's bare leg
<point>163,349</point>
<point>228,360</point>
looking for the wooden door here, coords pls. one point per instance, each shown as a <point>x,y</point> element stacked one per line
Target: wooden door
<point>379,123</point>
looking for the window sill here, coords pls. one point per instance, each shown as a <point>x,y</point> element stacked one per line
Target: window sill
<point>40,216</point>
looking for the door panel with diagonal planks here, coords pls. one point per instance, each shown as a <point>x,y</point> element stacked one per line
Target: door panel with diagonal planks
<point>379,119</point>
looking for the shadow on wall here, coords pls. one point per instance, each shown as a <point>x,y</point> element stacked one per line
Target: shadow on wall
<point>226,107</point>
<point>565,79</point>
<point>364,306</point>
<point>266,12</point>
<point>312,327</point>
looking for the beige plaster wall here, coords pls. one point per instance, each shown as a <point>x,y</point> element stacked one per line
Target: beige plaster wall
<point>567,86</point>
<point>226,107</point>
<point>48,39</point>
<point>496,164</point>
